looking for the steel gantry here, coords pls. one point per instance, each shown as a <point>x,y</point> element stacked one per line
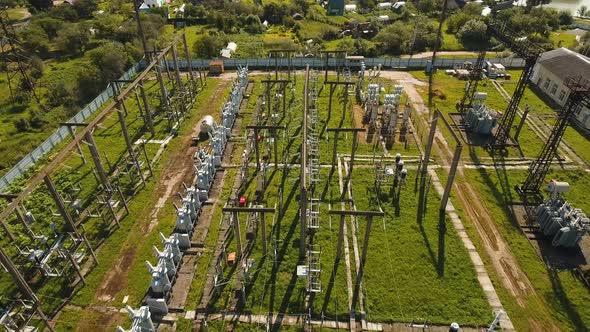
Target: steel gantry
<point>525,49</point>
<point>579,97</point>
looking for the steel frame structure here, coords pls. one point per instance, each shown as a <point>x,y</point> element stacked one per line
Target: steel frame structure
<point>579,96</point>
<point>65,254</point>
<point>525,49</point>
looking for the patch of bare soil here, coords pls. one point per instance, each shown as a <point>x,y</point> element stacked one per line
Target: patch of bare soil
<point>178,169</point>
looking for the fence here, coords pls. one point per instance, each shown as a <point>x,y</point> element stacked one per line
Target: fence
<point>62,132</point>
<point>260,63</point>
<point>386,63</point>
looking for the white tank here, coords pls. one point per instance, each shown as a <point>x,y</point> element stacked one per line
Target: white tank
<point>558,187</point>
<point>207,124</point>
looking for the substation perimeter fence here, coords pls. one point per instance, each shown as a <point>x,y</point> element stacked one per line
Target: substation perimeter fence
<point>256,63</point>
<point>62,132</point>
<point>319,63</point>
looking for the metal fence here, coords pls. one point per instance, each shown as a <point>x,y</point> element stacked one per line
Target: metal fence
<point>62,132</point>
<point>386,63</point>
<point>259,63</point>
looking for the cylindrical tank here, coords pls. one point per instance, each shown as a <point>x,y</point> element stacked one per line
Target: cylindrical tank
<point>558,187</point>
<point>207,125</point>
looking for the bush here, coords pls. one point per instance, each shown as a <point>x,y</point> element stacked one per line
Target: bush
<point>37,119</point>
<point>208,46</point>
<point>22,125</point>
<point>473,35</point>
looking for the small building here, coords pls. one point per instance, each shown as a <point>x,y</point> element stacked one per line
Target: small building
<point>550,73</point>
<point>398,5</point>
<point>350,8</point>
<point>154,3</point>
<point>384,5</point>
<point>335,7</point>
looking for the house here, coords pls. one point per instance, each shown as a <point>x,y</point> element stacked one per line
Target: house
<point>551,71</point>
<point>336,7</point>
<point>154,3</point>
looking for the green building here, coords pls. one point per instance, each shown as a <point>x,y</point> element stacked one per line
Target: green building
<point>336,7</point>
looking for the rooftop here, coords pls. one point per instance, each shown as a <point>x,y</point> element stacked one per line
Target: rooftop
<point>564,63</point>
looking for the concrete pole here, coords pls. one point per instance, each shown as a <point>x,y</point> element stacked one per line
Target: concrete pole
<point>354,144</point>
<point>340,238</point>
<point>256,149</point>
<point>129,144</point>
<point>359,276</point>
<point>97,161</point>
<point>426,158</point>
<point>522,121</point>
<point>236,225</point>
<point>78,147</point>
<point>23,286</point>
<point>189,61</point>
<point>276,149</point>
<point>263,226</point>
<point>451,177</point>
<point>61,207</point>
<point>335,151</point>
<point>176,69</point>
<point>146,107</point>
<point>330,101</point>
<point>21,218</point>
<point>163,91</point>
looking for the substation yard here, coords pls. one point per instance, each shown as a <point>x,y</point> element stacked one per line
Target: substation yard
<point>421,266</point>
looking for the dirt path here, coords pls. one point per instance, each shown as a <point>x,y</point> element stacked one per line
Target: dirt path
<point>179,169</point>
<point>503,261</point>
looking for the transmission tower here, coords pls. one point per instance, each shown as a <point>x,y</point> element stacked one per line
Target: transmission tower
<point>525,49</point>
<point>13,58</point>
<point>579,97</point>
<point>528,51</point>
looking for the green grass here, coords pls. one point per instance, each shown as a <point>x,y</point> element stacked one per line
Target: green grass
<point>280,291</point>
<point>448,91</point>
<point>563,39</point>
<point>547,111</point>
<point>559,296</point>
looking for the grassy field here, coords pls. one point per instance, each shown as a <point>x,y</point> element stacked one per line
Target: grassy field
<point>559,296</point>
<point>423,285</point>
<point>448,91</point>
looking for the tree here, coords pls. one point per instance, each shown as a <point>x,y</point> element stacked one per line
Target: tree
<point>86,86</point>
<point>64,12</point>
<point>367,4</point>
<point>84,8</point>
<point>473,35</point>
<point>41,4</point>
<point>302,6</point>
<point>207,47</point>
<point>111,61</point>
<point>50,25</point>
<point>583,11</point>
<point>193,11</point>
<point>275,12</point>
<point>34,40</point>
<point>253,25</point>
<point>72,39</point>
<point>394,38</point>
<point>565,18</point>
<point>457,20</point>
<point>37,67</point>
<point>60,92</point>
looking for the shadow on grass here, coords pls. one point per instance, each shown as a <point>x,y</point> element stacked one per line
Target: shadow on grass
<point>565,302</point>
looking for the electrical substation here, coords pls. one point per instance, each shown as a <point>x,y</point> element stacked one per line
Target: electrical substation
<point>300,198</point>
